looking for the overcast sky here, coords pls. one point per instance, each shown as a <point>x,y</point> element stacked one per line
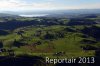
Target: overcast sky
<point>18,5</point>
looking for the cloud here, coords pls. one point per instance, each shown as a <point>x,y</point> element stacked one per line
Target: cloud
<point>18,5</point>
<point>90,6</point>
<point>23,5</point>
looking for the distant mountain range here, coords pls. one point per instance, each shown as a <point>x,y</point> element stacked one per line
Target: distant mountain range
<point>8,15</point>
<point>53,13</point>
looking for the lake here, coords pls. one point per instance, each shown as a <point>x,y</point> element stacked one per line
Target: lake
<point>33,15</point>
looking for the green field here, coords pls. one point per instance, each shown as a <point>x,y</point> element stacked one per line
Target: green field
<point>69,42</point>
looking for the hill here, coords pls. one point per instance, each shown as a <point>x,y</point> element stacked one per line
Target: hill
<point>8,15</point>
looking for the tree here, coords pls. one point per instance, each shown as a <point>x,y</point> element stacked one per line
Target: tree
<point>20,33</point>
<point>38,33</point>
<point>18,44</point>
<point>1,44</point>
<point>49,36</point>
<point>60,34</point>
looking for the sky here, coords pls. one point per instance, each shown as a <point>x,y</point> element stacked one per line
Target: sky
<point>31,5</point>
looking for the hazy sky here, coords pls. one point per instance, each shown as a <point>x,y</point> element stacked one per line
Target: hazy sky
<point>18,5</point>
